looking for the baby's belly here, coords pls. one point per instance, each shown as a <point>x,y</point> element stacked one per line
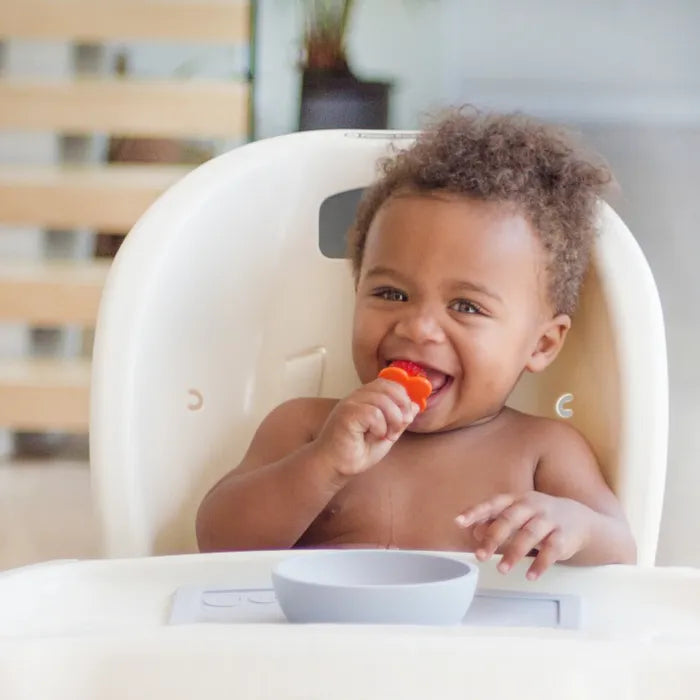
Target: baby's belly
<point>334,544</point>
<point>384,534</point>
<point>388,513</point>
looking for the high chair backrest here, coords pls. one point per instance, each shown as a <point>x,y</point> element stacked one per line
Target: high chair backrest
<point>220,305</point>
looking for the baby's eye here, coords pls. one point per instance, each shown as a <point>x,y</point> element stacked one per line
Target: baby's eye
<point>390,294</point>
<point>463,306</point>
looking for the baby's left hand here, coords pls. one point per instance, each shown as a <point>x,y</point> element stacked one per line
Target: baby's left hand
<point>557,527</point>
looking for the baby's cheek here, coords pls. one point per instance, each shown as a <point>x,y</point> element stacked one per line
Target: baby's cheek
<point>364,360</point>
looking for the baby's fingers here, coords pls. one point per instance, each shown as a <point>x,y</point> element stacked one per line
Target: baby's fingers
<point>373,421</point>
<point>394,421</point>
<point>550,552</point>
<point>523,541</point>
<point>486,510</point>
<point>398,395</point>
<point>503,528</point>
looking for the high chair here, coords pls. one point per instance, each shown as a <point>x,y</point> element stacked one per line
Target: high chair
<point>221,304</point>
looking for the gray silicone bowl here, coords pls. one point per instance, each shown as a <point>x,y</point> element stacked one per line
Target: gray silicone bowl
<point>375,586</point>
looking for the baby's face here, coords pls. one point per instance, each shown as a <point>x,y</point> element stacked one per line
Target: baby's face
<point>459,287</point>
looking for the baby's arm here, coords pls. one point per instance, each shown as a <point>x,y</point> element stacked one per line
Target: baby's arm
<point>571,515</point>
<point>276,492</point>
<point>569,470</point>
<point>300,457</point>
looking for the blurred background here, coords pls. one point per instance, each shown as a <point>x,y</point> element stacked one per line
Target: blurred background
<point>104,105</point>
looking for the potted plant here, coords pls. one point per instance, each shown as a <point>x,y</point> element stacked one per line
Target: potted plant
<point>331,95</point>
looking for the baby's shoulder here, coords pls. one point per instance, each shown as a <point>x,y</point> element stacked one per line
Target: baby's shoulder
<point>301,415</point>
<point>540,431</point>
<point>285,429</point>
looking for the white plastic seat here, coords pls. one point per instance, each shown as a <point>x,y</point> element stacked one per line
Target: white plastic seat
<point>220,305</point>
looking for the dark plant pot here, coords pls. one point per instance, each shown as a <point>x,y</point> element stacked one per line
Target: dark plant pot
<point>332,101</point>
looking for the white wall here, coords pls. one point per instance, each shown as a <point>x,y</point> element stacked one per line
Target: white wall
<point>617,50</point>
<point>607,59</point>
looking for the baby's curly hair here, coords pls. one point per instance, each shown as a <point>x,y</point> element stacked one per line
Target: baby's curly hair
<point>512,159</point>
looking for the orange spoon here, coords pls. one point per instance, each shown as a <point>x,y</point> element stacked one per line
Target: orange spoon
<point>412,377</point>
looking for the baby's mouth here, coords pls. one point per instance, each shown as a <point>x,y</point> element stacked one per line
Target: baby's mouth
<point>439,381</point>
<point>441,384</point>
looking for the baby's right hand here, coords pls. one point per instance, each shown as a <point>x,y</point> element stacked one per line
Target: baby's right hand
<point>364,426</point>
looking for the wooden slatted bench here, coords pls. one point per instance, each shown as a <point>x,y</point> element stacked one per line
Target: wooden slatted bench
<point>42,394</point>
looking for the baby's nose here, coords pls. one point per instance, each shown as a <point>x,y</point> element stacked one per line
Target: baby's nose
<point>420,327</point>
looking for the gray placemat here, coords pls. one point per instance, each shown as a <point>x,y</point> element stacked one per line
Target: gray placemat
<point>492,608</point>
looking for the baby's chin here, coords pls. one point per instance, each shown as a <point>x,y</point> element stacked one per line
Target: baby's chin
<point>425,424</point>
<point>421,426</point>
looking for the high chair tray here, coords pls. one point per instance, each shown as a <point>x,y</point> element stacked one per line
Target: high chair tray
<point>657,605</point>
<point>490,608</point>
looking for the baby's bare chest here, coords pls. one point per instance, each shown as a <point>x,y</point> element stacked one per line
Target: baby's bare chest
<point>412,497</point>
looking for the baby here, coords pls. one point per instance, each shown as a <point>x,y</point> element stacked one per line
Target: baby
<point>468,255</point>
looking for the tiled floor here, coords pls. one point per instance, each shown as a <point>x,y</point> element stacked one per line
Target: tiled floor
<point>45,511</point>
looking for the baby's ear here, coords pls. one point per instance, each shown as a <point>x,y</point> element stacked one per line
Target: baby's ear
<point>550,342</point>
